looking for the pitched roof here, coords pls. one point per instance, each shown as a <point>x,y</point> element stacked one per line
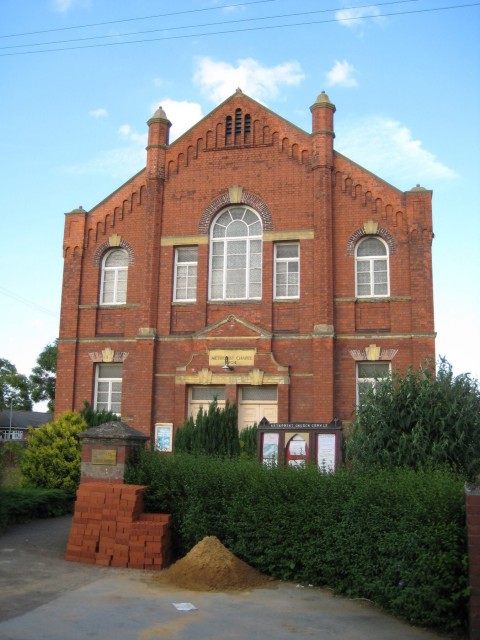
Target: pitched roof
<point>24,419</point>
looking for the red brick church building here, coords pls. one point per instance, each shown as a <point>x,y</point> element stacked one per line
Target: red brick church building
<point>248,261</point>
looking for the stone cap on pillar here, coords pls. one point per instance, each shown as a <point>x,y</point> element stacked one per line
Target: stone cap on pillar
<point>113,431</point>
<point>106,450</point>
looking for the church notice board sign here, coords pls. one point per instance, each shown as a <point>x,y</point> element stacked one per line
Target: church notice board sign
<point>298,443</point>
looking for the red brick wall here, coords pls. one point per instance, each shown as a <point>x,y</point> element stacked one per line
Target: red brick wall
<point>305,187</point>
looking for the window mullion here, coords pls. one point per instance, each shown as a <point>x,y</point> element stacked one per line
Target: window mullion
<point>247,270</point>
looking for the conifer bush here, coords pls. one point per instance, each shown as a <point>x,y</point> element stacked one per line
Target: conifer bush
<point>213,432</point>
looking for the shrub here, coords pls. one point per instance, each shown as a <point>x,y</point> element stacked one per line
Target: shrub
<point>21,505</point>
<point>248,441</point>
<point>214,432</point>
<point>11,454</point>
<point>395,537</point>
<point>418,420</point>
<point>53,455</point>
<point>96,417</point>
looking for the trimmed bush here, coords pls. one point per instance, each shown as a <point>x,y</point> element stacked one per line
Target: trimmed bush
<point>21,505</point>
<point>395,537</point>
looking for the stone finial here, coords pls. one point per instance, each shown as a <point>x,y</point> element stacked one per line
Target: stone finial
<point>323,101</point>
<point>418,188</point>
<point>160,113</point>
<point>238,91</point>
<point>79,209</point>
<point>323,98</point>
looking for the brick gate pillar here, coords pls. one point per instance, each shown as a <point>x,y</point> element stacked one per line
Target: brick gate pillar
<point>472,504</point>
<point>109,527</point>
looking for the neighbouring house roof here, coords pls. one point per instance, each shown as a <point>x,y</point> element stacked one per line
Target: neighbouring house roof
<point>24,419</point>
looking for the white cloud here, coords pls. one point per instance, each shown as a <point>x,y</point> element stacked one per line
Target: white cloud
<point>182,115</point>
<point>126,132</point>
<point>387,148</point>
<point>354,17</point>
<point>218,80</point>
<point>120,163</point>
<point>98,113</point>
<point>342,74</point>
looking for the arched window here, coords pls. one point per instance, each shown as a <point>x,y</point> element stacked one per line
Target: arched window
<point>114,277</point>
<point>236,255</point>
<point>371,268</point>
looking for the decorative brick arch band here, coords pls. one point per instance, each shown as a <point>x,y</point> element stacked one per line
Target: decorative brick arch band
<point>114,242</point>
<point>243,197</point>
<point>380,231</point>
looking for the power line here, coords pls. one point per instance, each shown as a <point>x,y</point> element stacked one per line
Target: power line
<point>159,15</point>
<point>30,303</point>
<point>207,24</point>
<point>228,31</point>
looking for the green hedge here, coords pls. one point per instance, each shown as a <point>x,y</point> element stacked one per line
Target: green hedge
<point>21,505</point>
<point>397,538</point>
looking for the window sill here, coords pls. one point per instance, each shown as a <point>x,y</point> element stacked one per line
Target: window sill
<point>376,299</point>
<point>286,300</point>
<point>232,302</point>
<point>133,305</point>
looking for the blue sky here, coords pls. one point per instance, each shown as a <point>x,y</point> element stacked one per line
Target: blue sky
<point>404,76</point>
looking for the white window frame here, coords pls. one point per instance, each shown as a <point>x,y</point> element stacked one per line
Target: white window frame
<point>287,261</point>
<point>110,381</point>
<point>371,381</point>
<point>119,295</point>
<point>370,261</point>
<point>219,249</point>
<point>190,267</point>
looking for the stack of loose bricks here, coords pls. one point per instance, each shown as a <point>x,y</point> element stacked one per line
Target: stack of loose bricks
<point>109,528</point>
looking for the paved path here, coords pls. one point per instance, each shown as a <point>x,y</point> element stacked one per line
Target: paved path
<point>43,597</point>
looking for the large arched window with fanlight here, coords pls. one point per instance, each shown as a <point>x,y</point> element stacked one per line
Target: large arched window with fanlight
<point>371,268</point>
<point>114,277</point>
<point>236,255</point>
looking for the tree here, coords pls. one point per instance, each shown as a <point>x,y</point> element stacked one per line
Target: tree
<point>43,377</point>
<point>53,455</point>
<point>14,388</point>
<point>419,419</point>
<point>96,417</point>
<point>214,432</point>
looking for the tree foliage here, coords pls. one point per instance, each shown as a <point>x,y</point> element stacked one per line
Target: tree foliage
<point>96,417</point>
<point>214,432</point>
<point>248,441</point>
<point>43,377</point>
<point>419,419</point>
<point>53,455</point>
<point>14,388</point>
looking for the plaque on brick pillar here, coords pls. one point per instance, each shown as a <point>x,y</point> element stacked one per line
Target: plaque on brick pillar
<point>106,450</point>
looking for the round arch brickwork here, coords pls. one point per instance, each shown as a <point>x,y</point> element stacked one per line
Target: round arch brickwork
<point>222,201</point>
<point>360,233</point>
<point>99,253</point>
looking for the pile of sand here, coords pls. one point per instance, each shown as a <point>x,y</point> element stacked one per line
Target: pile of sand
<point>209,566</point>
